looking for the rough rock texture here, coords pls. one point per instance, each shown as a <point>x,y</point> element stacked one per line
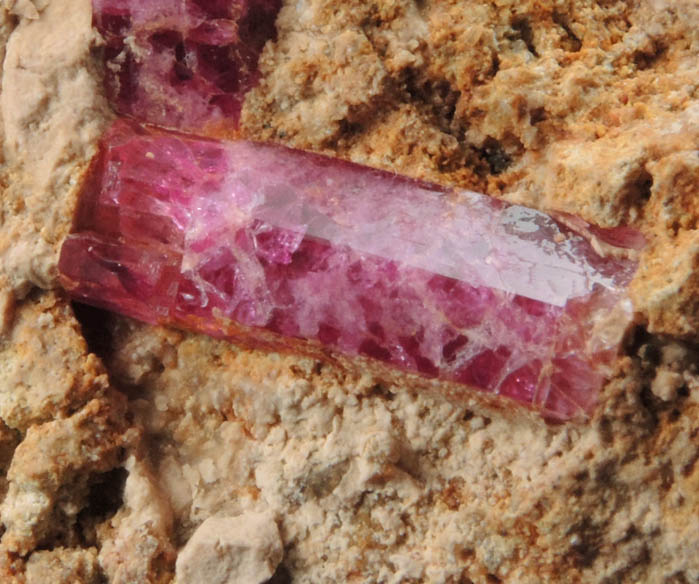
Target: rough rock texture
<point>52,112</point>
<point>45,327</point>
<point>587,107</point>
<point>63,566</point>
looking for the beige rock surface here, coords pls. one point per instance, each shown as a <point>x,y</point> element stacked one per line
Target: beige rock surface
<point>52,113</point>
<point>231,550</point>
<point>118,440</point>
<point>63,566</point>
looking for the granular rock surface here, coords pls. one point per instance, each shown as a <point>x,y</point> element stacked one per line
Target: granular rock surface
<point>118,440</point>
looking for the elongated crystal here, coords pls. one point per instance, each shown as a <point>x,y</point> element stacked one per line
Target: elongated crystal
<point>286,249</point>
<point>186,64</point>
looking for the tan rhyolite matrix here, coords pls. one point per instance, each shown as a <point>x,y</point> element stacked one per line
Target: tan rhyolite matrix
<point>246,463</point>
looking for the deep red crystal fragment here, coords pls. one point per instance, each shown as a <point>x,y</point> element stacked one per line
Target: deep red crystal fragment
<point>262,241</point>
<point>185,64</point>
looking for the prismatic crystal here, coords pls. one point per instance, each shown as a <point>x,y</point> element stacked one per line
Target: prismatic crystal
<point>285,249</point>
<point>185,64</point>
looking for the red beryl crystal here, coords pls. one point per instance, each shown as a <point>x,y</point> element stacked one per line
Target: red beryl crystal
<point>186,64</point>
<point>253,242</point>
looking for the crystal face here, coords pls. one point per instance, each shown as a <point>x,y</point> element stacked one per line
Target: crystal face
<point>185,64</point>
<point>281,248</point>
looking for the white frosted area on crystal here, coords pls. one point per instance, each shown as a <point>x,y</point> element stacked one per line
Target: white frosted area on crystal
<point>513,249</point>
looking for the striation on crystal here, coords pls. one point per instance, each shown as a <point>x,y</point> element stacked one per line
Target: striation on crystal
<point>185,64</point>
<point>285,249</point>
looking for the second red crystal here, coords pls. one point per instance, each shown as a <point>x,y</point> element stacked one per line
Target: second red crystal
<point>185,64</point>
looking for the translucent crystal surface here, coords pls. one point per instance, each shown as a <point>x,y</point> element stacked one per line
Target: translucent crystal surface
<point>224,237</point>
<point>185,64</point>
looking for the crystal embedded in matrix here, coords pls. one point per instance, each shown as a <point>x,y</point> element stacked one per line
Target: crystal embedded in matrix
<point>252,242</point>
<point>185,64</point>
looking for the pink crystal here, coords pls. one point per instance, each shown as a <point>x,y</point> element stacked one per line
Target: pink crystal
<point>239,239</point>
<point>185,64</point>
